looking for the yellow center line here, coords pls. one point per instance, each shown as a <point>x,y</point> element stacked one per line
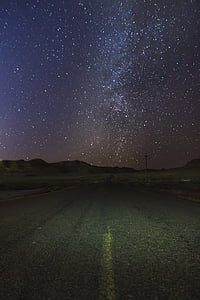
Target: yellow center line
<point>107,280</point>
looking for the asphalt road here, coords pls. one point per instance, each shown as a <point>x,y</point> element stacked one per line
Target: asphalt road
<point>100,242</point>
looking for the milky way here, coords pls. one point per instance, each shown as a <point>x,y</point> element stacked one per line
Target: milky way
<point>100,81</point>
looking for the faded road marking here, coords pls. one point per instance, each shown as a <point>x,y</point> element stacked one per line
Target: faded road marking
<point>107,280</point>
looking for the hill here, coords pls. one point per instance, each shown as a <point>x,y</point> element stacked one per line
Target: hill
<point>193,164</point>
<point>40,167</point>
<point>37,167</point>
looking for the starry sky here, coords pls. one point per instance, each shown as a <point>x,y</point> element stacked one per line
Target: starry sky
<point>101,81</point>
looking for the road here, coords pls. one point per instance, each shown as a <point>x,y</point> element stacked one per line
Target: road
<point>100,242</point>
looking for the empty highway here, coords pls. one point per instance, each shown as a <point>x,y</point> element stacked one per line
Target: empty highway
<point>99,242</point>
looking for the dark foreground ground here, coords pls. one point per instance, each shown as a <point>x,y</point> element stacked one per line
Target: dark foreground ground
<point>100,242</point>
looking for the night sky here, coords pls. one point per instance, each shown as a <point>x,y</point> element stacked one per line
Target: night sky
<point>101,81</point>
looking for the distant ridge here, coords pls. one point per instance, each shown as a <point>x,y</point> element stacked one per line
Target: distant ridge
<point>40,167</point>
<point>194,163</point>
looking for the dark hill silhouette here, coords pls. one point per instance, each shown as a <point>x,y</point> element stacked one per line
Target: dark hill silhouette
<point>41,167</point>
<point>38,166</point>
<point>193,164</point>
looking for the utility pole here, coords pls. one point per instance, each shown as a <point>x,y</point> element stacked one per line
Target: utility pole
<point>146,168</point>
<point>146,158</point>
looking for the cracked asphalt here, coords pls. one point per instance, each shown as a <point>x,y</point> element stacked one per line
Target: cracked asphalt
<point>100,242</point>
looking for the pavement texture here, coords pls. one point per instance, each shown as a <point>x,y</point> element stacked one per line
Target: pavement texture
<point>100,242</point>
